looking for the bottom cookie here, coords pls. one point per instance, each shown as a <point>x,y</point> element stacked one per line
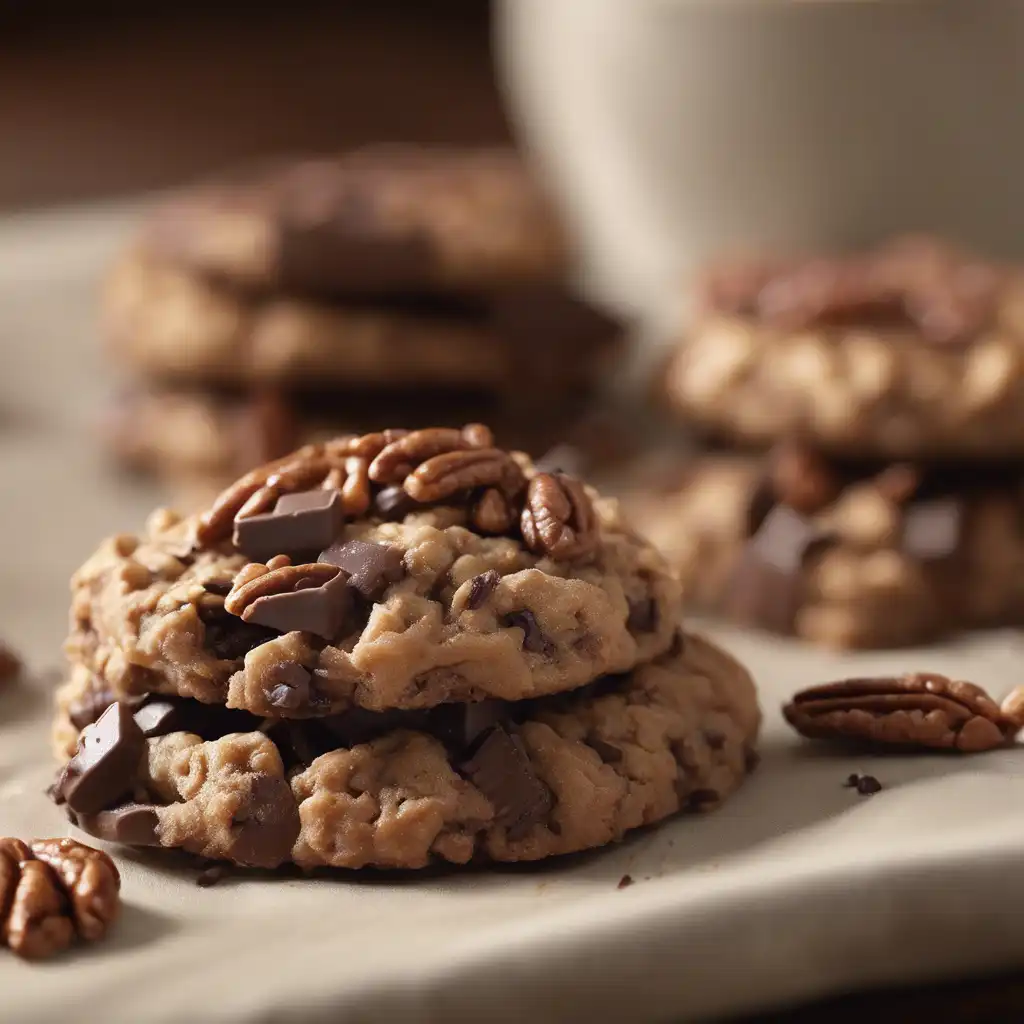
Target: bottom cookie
<point>495,781</point>
<point>850,554</point>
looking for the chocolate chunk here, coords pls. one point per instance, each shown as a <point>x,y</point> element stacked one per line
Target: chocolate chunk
<point>86,709</point>
<point>481,588</point>
<point>302,742</point>
<point>866,785</point>
<point>303,522</point>
<point>501,771</point>
<point>459,726</point>
<point>643,616</point>
<point>393,503</point>
<point>230,638</point>
<point>158,718</point>
<point>322,610</point>
<point>371,567</point>
<point>106,763</point>
<point>767,586</point>
<point>290,687</point>
<point>210,876</point>
<point>132,824</point>
<point>932,529</point>
<point>534,639</point>
<point>624,882</point>
<point>266,824</point>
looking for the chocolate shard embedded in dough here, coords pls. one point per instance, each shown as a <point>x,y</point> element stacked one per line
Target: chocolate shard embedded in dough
<point>84,710</point>
<point>393,503</point>
<point>266,824</point>
<point>500,769</point>
<point>104,768</point>
<point>159,717</point>
<point>288,687</point>
<point>932,529</point>
<point>322,610</point>
<point>534,639</point>
<point>304,522</point>
<point>459,726</point>
<point>481,588</point>
<point>371,567</point>
<point>132,824</point>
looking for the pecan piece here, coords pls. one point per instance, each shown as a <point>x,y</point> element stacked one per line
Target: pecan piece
<point>400,457</point>
<point>491,513</point>
<point>921,709</point>
<point>90,879</point>
<point>558,519</point>
<point>444,475</point>
<point>263,580</point>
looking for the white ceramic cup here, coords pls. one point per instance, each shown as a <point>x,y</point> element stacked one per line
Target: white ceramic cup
<point>673,129</point>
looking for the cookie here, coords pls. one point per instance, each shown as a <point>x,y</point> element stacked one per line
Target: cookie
<point>846,553</point>
<point>392,570</point>
<point>164,323</point>
<point>499,781</point>
<point>911,351</point>
<point>381,220</point>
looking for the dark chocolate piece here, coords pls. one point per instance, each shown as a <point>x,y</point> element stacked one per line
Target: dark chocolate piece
<point>158,717</point>
<point>459,726</point>
<point>266,826</point>
<point>534,639</point>
<point>87,708</point>
<point>501,771</point>
<point>322,610</point>
<point>393,503</point>
<point>303,522</point>
<point>481,588</point>
<point>132,824</point>
<point>229,637</point>
<point>106,764</point>
<point>371,567</point>
<point>866,785</point>
<point>210,876</point>
<point>932,529</point>
<point>625,882</point>
<point>290,688</point>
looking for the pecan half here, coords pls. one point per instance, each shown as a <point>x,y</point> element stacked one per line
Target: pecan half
<point>255,581</point>
<point>921,709</point>
<point>454,472</point>
<point>558,519</point>
<point>399,458</point>
<point>53,891</point>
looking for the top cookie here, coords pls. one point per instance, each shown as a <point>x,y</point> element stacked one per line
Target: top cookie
<point>383,219</point>
<point>393,570</point>
<point>915,350</point>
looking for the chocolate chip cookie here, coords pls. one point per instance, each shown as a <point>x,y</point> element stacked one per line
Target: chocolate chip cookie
<point>402,789</point>
<point>915,350</point>
<point>390,570</point>
<point>381,220</point>
<point>846,552</point>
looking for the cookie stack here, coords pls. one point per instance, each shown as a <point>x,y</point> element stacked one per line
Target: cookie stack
<point>392,283</point>
<point>391,650</point>
<point>888,392</point>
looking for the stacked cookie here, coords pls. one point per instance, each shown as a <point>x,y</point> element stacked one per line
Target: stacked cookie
<point>391,649</point>
<point>888,387</point>
<point>342,294</point>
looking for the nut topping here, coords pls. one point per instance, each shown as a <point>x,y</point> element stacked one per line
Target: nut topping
<point>448,474</point>
<point>53,891</point>
<point>558,520</point>
<point>401,457</point>
<point>921,709</point>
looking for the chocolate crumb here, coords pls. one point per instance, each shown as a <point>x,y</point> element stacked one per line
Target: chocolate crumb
<point>625,882</point>
<point>210,876</point>
<point>864,784</point>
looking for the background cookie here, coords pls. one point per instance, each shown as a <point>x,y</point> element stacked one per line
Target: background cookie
<point>384,219</point>
<point>914,350</point>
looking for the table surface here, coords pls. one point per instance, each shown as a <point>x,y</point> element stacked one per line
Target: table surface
<point>797,886</point>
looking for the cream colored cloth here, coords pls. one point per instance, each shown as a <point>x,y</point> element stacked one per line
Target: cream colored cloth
<point>797,887</point>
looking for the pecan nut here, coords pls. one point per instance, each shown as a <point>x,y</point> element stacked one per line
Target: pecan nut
<point>558,519</point>
<point>491,513</point>
<point>53,891</point>
<point>399,458</point>
<point>255,581</point>
<point>921,709</point>
<point>458,471</point>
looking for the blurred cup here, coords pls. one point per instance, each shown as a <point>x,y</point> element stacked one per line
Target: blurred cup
<point>673,129</point>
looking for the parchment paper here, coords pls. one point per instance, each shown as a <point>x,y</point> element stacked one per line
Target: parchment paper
<point>797,887</point>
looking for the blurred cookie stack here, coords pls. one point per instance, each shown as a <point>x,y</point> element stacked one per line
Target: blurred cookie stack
<point>390,284</point>
<point>885,391</point>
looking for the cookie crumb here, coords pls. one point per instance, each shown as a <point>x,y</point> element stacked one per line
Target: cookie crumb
<point>624,882</point>
<point>864,784</point>
<point>210,876</point>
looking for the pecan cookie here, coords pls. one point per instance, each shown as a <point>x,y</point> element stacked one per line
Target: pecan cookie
<point>392,570</point>
<point>383,219</point>
<point>402,789</point>
<point>915,350</point>
<point>846,553</point>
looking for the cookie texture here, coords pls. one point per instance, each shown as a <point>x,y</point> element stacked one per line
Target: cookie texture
<point>881,555</point>
<point>395,570</point>
<point>674,734</point>
<point>912,351</point>
<point>383,219</point>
